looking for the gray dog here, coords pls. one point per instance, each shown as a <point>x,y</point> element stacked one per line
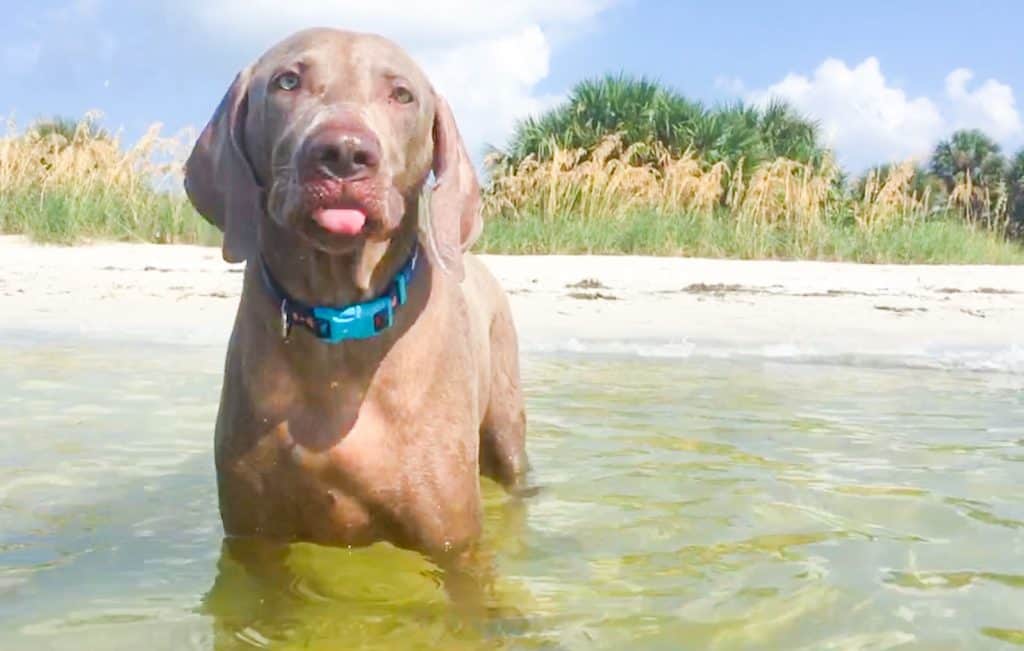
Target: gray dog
<point>372,373</point>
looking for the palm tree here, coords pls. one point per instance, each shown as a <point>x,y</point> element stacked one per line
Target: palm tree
<point>788,134</point>
<point>972,168</point>
<point>1015,187</point>
<point>639,109</point>
<point>71,130</point>
<point>968,152</point>
<point>726,135</point>
<point>645,112</point>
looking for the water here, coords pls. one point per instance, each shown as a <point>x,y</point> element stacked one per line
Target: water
<point>686,504</point>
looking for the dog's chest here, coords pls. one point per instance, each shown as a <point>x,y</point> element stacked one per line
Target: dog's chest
<point>322,478</point>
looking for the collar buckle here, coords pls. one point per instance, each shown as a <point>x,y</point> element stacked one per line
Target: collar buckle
<point>286,322</point>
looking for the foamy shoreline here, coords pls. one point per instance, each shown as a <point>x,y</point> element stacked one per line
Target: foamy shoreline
<point>670,306</point>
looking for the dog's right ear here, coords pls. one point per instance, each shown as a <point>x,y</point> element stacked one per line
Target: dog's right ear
<point>219,178</point>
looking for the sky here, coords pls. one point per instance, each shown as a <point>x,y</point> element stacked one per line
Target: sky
<point>885,80</point>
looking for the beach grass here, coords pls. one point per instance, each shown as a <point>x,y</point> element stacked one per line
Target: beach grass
<point>68,217</point>
<point>71,183</point>
<point>942,240</point>
<point>65,182</point>
<point>630,199</point>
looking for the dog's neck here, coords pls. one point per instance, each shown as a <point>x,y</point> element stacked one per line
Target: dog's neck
<point>316,277</point>
<point>319,279</point>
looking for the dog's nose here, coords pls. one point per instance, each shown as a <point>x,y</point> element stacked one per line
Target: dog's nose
<point>345,155</point>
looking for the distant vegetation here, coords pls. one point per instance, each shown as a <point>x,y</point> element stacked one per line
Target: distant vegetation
<point>628,165</point>
<point>655,121</point>
<point>623,166</point>
<point>67,180</point>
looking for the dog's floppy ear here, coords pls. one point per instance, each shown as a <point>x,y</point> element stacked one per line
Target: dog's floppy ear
<point>455,220</point>
<point>219,178</point>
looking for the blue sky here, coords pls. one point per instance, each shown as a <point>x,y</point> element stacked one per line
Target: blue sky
<point>885,79</point>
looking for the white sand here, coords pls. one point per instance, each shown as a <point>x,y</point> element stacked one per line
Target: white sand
<point>188,294</point>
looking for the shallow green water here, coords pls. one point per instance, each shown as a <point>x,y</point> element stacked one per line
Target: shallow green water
<point>686,504</point>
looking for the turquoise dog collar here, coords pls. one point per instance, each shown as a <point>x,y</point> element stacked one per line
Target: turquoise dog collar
<point>356,321</point>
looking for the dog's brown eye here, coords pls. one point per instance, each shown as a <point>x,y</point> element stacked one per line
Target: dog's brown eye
<point>402,95</point>
<point>288,81</point>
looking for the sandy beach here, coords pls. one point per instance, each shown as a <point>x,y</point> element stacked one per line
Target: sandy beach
<point>188,294</point>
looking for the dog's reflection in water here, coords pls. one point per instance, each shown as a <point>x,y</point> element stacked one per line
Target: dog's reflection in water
<point>306,596</point>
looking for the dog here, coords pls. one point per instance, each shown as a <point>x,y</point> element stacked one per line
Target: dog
<point>372,374</point>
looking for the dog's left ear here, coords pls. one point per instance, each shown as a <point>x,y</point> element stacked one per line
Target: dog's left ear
<point>455,221</point>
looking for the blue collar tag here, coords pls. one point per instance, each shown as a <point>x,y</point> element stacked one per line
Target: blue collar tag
<point>357,321</point>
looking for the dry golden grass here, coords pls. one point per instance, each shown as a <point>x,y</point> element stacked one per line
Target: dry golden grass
<point>891,199</point>
<point>611,183</point>
<point>796,194</point>
<point>83,162</point>
<point>615,200</point>
<point>66,187</point>
<point>980,204</point>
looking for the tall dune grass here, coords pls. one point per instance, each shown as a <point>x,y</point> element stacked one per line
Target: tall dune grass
<point>68,183</point>
<point>607,183</point>
<point>613,199</point>
<point>61,183</point>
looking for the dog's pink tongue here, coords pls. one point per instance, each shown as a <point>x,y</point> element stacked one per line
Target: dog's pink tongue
<point>345,221</point>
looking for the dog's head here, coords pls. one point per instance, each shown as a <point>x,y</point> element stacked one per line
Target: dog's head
<point>333,135</point>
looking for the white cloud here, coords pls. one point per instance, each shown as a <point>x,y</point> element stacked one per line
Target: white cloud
<point>487,58</point>
<point>868,118</point>
<point>991,107</point>
<point>862,115</point>
<point>490,82</point>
